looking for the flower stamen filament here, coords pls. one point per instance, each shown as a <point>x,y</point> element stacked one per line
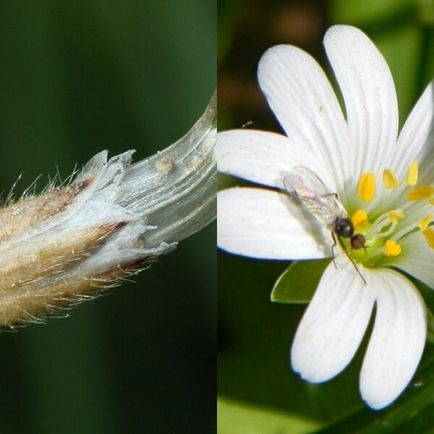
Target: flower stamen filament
<point>384,230</point>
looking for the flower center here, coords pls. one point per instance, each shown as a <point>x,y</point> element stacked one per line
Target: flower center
<point>385,230</point>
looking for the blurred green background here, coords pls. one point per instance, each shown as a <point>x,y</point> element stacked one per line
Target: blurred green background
<point>259,394</point>
<point>76,78</point>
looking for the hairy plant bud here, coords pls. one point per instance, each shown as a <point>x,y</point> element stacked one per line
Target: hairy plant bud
<point>113,219</point>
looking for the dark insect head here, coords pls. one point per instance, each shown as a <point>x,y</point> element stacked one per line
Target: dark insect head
<point>344,227</point>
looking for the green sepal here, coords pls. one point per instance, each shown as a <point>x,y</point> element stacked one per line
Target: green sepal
<point>298,282</point>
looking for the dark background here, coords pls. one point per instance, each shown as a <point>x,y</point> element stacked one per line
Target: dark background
<point>76,78</point>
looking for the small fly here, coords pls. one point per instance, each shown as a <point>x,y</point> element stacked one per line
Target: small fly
<point>325,207</point>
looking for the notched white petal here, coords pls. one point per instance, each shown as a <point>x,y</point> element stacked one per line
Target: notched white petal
<point>369,94</point>
<point>267,224</point>
<point>301,97</point>
<point>417,258</point>
<point>111,221</point>
<point>262,157</point>
<point>397,340</point>
<point>334,323</point>
<point>416,140</point>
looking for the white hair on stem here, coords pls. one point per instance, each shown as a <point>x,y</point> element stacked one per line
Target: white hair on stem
<point>70,242</point>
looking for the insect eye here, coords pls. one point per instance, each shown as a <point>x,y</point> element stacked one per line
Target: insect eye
<point>344,228</point>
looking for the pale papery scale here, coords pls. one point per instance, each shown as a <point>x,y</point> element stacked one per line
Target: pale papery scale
<point>112,220</point>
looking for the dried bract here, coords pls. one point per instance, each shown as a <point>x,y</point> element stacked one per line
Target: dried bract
<point>111,221</point>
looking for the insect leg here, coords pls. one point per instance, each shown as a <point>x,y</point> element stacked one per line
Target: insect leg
<point>333,248</point>
<point>351,259</point>
<point>335,195</point>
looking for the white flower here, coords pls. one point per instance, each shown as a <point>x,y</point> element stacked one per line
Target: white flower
<point>382,179</point>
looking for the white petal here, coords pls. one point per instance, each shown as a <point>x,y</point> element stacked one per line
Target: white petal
<point>417,258</point>
<point>262,157</point>
<point>334,323</point>
<point>413,212</point>
<point>267,224</point>
<point>306,106</point>
<point>397,340</point>
<point>369,94</point>
<point>416,136</point>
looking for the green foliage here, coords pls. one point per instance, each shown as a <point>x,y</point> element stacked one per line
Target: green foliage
<point>413,414</point>
<point>238,418</point>
<point>298,282</point>
<point>360,12</point>
<point>254,341</point>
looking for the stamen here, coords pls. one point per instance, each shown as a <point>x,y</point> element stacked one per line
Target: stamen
<point>395,215</point>
<point>377,228</point>
<point>413,173</point>
<point>389,179</point>
<point>385,224</point>
<point>386,230</point>
<point>392,248</point>
<point>405,231</point>
<point>420,193</point>
<point>429,237</point>
<point>424,223</point>
<point>366,188</point>
<point>359,219</point>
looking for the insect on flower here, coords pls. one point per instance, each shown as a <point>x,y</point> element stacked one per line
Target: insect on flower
<point>325,206</point>
<point>381,178</point>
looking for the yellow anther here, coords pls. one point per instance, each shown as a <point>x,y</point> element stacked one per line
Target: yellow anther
<point>424,223</point>
<point>431,201</point>
<point>392,248</point>
<point>420,193</point>
<point>366,188</point>
<point>413,173</point>
<point>359,219</point>
<point>429,237</point>
<point>395,215</point>
<point>389,179</point>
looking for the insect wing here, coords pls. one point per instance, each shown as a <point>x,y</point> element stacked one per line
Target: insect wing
<point>314,195</point>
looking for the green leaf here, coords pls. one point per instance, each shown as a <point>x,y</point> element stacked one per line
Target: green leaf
<point>254,341</point>
<point>298,282</point>
<point>412,413</point>
<point>238,418</point>
<point>367,11</point>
